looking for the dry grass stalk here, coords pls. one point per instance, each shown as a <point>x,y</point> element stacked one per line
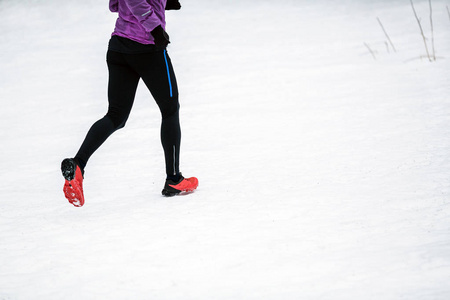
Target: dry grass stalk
<point>371,51</point>
<point>387,35</point>
<point>432,32</point>
<point>421,31</point>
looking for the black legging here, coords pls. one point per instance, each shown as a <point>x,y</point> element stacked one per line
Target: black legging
<point>125,70</point>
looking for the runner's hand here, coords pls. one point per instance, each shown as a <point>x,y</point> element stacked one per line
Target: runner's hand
<point>160,36</point>
<point>173,4</point>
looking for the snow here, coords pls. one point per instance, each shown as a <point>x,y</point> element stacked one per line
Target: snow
<point>323,171</point>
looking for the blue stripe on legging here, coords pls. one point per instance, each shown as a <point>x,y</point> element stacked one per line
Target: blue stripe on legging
<point>168,73</point>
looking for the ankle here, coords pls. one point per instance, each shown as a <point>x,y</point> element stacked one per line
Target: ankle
<point>174,178</point>
<point>80,162</point>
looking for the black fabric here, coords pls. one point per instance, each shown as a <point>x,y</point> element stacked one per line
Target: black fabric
<point>160,36</point>
<point>173,4</point>
<point>125,70</point>
<point>124,45</point>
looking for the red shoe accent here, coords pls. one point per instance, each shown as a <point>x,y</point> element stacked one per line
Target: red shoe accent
<point>73,189</point>
<point>186,185</point>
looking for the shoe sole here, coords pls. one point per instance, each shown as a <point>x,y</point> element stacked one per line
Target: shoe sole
<point>168,193</point>
<point>72,191</point>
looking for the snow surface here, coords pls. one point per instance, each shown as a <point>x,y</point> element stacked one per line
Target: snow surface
<point>324,173</point>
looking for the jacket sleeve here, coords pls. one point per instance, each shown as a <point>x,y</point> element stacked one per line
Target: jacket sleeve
<point>114,5</point>
<point>144,13</point>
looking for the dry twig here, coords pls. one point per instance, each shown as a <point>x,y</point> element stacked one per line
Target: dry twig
<point>387,36</point>
<point>371,51</point>
<point>421,31</point>
<point>432,31</point>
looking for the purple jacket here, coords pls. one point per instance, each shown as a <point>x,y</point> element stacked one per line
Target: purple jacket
<point>137,18</point>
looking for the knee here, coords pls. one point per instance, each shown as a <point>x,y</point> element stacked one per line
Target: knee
<point>121,125</point>
<point>118,119</point>
<point>170,111</point>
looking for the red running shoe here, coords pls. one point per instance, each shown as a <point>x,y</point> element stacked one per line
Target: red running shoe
<point>73,187</point>
<point>172,188</point>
